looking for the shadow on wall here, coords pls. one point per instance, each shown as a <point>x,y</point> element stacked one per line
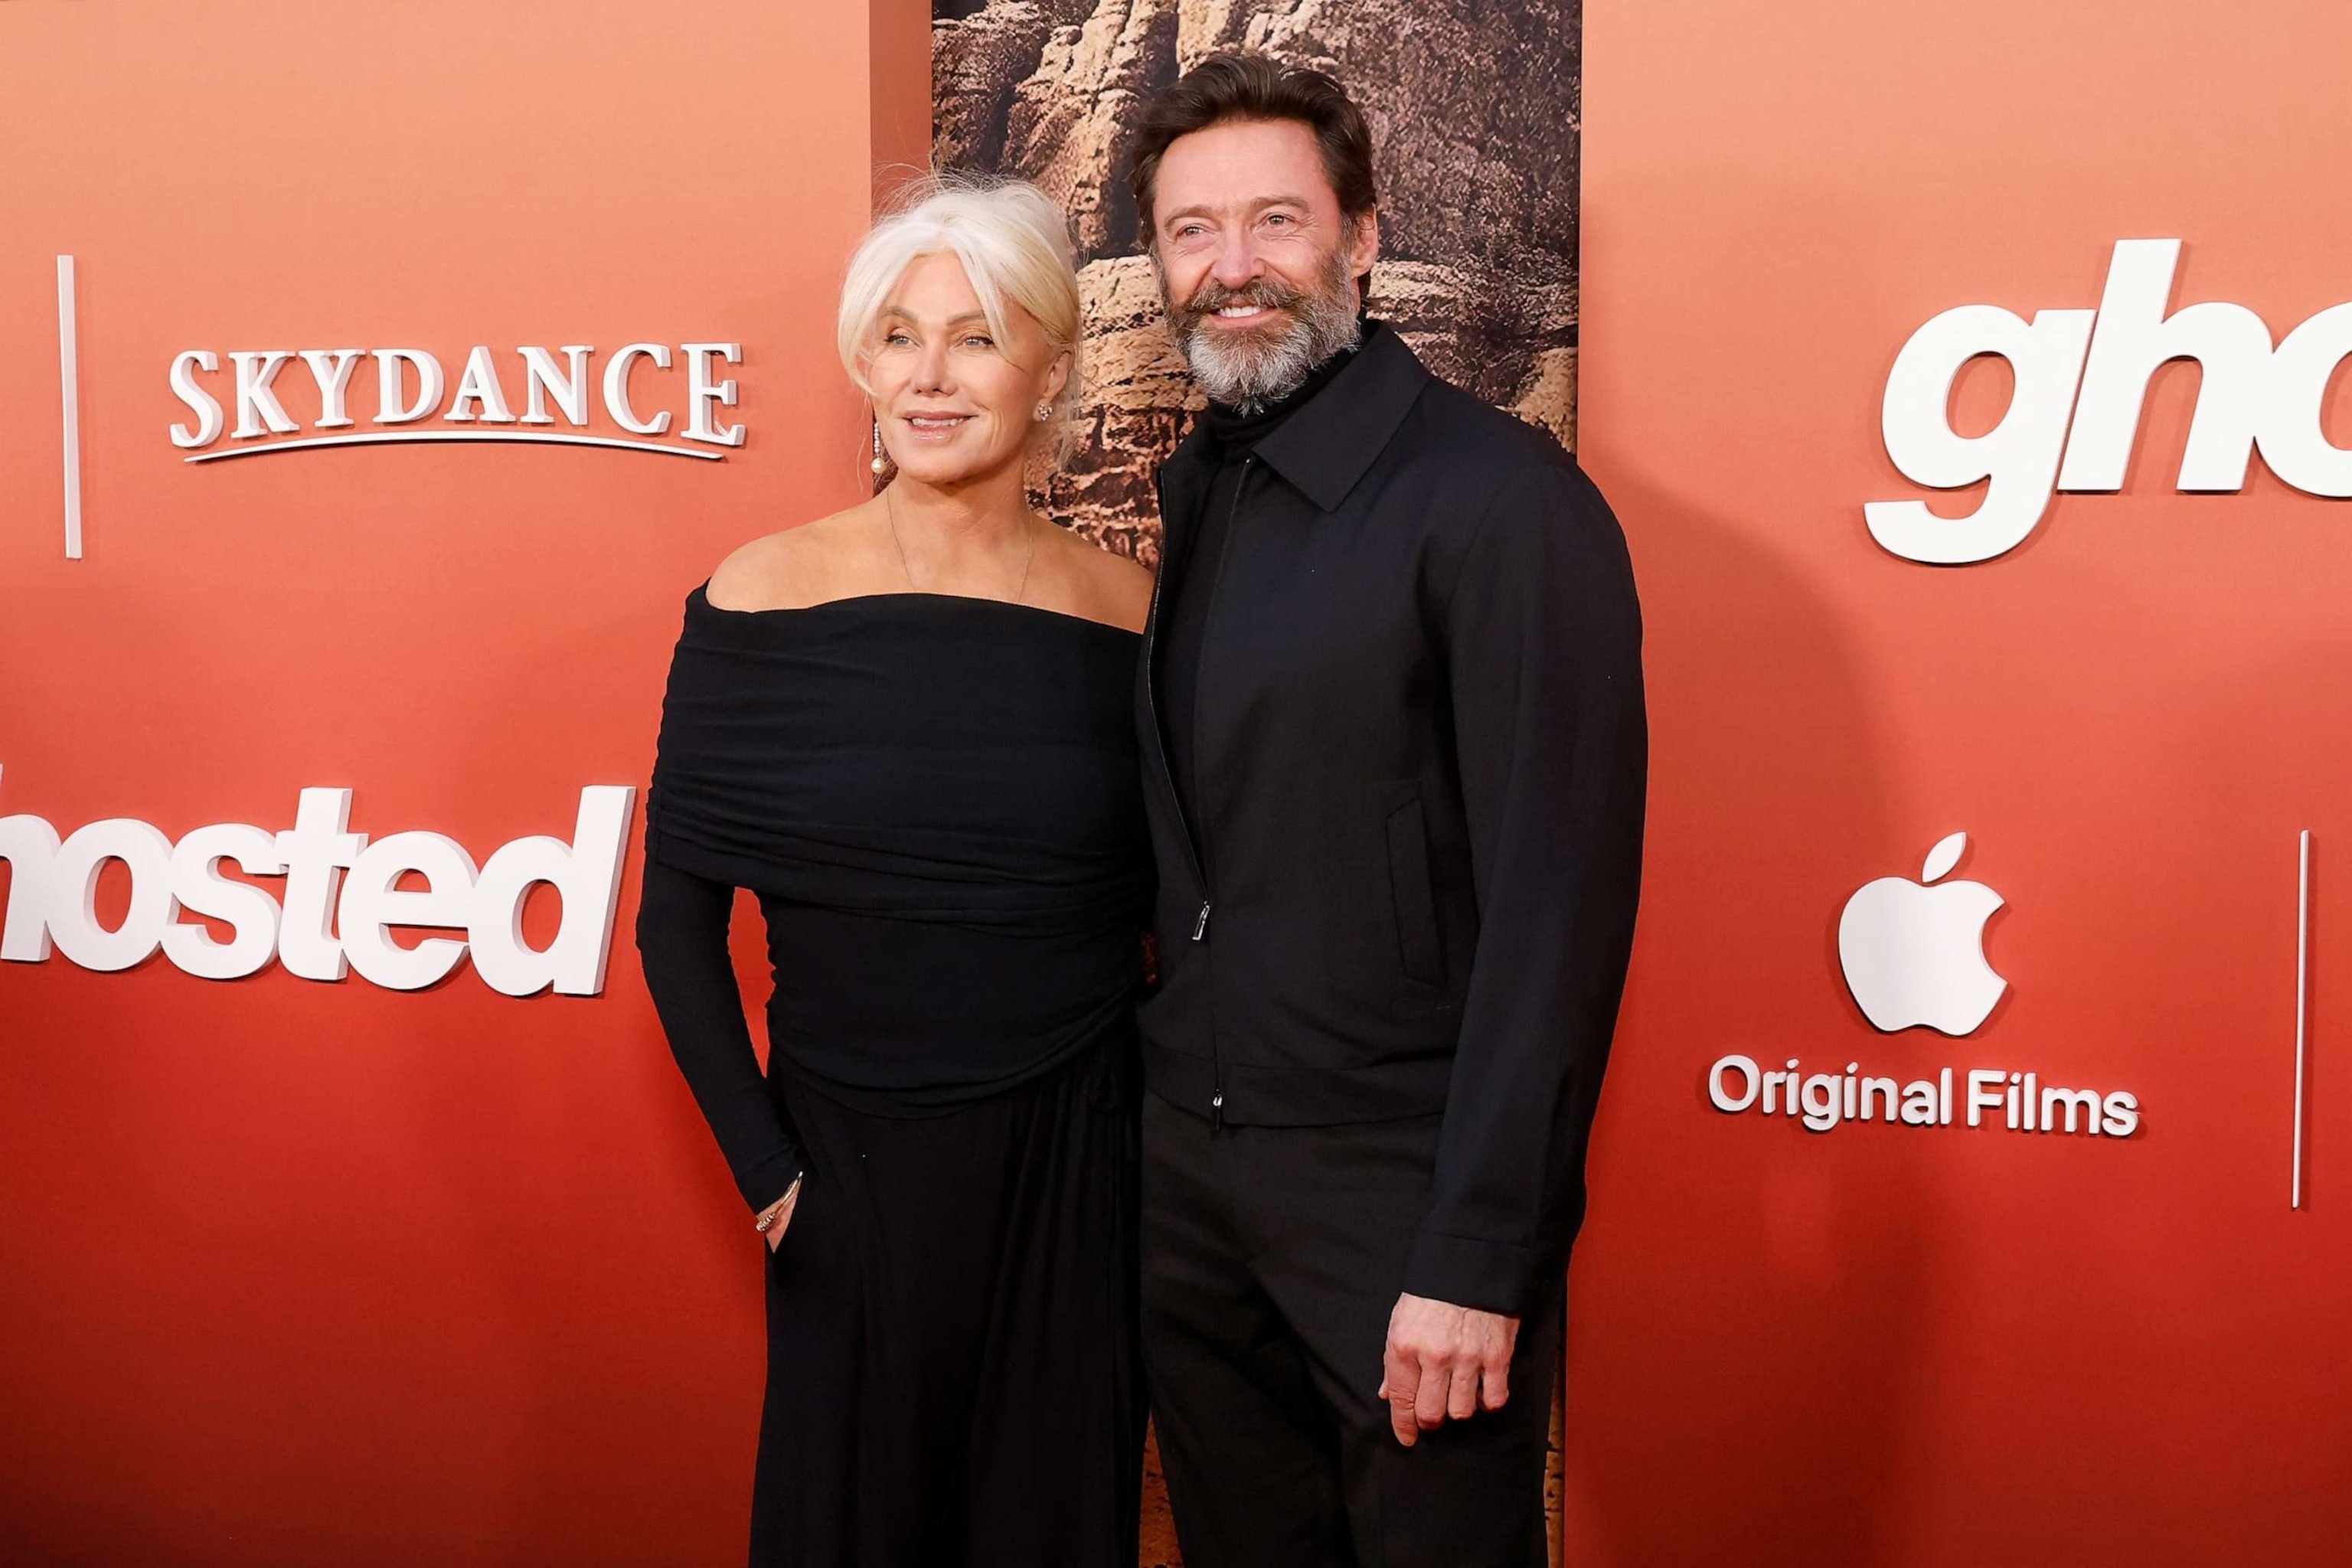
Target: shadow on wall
<point>1475,111</point>
<point>1820,1246</point>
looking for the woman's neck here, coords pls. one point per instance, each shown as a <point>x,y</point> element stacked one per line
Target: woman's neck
<point>970,536</point>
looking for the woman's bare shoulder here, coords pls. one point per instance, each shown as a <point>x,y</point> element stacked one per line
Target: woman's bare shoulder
<point>1107,586</point>
<point>793,567</point>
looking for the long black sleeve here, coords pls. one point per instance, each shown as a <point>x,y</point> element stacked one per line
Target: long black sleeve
<point>1545,669</point>
<point>682,937</point>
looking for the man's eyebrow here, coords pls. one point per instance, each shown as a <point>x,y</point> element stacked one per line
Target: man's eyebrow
<point>1258,205</point>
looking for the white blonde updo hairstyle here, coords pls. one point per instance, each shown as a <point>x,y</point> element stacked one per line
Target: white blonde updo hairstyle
<point>1014,245</point>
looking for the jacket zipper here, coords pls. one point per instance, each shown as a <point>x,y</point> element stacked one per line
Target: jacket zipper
<point>1167,771</point>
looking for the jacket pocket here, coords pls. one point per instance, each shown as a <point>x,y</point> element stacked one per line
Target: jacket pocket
<point>1418,948</point>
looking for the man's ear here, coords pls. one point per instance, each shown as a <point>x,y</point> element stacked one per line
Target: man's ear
<point>1364,244</point>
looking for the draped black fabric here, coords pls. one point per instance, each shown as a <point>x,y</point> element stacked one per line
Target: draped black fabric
<point>953,1374</point>
<point>936,800</point>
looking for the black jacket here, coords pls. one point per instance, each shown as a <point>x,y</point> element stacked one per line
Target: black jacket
<point>1421,749</point>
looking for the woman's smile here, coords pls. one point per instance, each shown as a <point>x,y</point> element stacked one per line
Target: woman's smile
<point>936,426</point>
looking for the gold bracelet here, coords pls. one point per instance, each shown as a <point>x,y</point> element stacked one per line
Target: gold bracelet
<point>775,1211</point>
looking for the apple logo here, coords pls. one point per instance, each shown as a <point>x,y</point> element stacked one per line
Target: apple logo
<point>1913,953</point>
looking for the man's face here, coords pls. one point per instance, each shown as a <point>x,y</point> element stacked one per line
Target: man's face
<point>1257,266</point>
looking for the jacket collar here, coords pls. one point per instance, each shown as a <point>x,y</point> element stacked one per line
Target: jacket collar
<point>1327,444</point>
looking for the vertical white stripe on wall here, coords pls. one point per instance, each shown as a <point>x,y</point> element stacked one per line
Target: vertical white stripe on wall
<point>2302,989</point>
<point>69,382</point>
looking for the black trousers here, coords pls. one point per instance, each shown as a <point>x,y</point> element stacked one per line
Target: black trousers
<point>1271,1258</point>
<point>954,1379</point>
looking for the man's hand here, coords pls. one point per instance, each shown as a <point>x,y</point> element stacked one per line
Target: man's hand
<point>1443,1361</point>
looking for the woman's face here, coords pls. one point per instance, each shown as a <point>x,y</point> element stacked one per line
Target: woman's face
<point>954,403</point>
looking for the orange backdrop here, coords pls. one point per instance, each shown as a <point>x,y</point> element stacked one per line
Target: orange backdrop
<point>1938,1346</point>
<point>299,1272</point>
<point>315,1273</point>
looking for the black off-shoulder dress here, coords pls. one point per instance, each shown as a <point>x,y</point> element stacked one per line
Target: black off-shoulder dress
<point>936,802</point>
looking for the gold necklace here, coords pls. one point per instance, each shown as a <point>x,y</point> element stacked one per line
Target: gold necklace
<point>890,517</point>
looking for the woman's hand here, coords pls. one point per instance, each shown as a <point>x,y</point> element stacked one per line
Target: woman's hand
<point>775,1232</point>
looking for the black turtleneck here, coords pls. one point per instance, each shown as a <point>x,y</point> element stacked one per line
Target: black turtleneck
<point>1186,598</point>
<point>1234,429</point>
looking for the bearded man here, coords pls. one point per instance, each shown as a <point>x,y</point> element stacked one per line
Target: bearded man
<point>1391,712</point>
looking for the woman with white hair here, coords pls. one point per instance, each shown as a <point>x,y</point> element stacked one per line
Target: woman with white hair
<point>904,728</point>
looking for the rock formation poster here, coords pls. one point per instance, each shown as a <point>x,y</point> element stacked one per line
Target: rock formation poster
<point>1475,109</point>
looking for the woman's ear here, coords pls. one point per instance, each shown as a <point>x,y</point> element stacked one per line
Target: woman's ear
<point>1057,374</point>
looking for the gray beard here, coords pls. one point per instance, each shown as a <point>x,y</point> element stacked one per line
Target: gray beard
<point>1249,374</point>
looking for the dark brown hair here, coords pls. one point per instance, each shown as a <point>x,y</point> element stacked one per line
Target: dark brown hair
<point>1237,86</point>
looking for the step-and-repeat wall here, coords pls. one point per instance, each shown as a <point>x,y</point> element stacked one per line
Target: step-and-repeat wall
<point>1965,1189</point>
<point>377,384</point>
<point>1956,1200</point>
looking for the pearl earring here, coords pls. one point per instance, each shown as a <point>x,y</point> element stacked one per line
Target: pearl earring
<point>1045,412</point>
<point>881,464</point>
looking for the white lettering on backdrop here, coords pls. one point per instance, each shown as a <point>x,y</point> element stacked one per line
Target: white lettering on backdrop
<point>2252,397</point>
<point>412,387</point>
<point>343,898</point>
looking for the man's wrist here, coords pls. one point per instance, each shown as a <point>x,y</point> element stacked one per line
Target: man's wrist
<point>1462,1272</point>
